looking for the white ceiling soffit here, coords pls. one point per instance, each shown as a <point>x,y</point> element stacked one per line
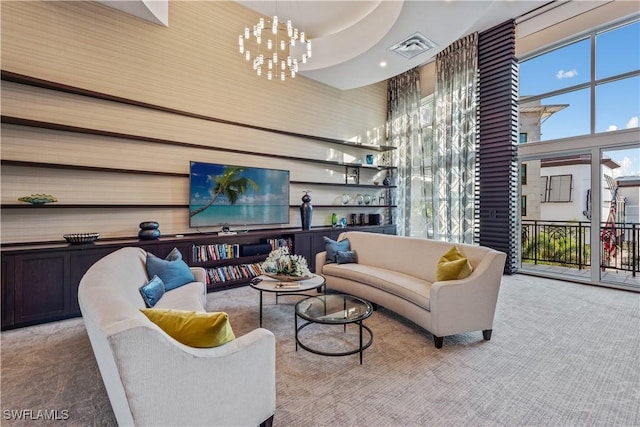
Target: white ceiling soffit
<point>156,11</point>
<point>352,38</point>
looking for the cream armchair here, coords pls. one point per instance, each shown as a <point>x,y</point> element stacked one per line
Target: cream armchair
<point>153,380</point>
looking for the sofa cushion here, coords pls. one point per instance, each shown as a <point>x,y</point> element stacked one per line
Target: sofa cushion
<point>399,284</point>
<point>152,291</point>
<point>332,247</point>
<point>346,257</point>
<point>453,265</point>
<point>173,271</point>
<point>193,328</point>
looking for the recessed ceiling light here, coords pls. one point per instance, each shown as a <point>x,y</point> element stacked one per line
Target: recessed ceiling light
<point>383,64</point>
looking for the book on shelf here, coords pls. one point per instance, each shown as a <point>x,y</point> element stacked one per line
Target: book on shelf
<point>228,273</point>
<point>278,243</point>
<point>215,252</point>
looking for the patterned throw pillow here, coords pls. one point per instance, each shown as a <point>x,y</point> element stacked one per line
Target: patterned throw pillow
<point>332,247</point>
<point>193,328</point>
<point>453,266</point>
<point>172,270</point>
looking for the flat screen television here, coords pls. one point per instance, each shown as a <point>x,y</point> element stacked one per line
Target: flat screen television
<point>228,195</point>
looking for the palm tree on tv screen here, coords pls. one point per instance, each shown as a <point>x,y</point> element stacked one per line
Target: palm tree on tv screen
<point>230,184</point>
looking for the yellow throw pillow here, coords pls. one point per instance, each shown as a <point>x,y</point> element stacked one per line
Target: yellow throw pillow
<point>453,265</point>
<point>193,328</point>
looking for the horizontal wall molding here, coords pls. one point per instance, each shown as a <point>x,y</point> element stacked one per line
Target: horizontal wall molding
<point>46,84</point>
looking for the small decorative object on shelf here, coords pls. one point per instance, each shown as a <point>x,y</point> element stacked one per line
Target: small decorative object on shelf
<point>352,175</point>
<point>334,219</point>
<point>359,199</point>
<point>306,210</point>
<point>149,230</point>
<point>367,199</point>
<point>79,238</point>
<point>38,199</point>
<point>282,265</point>
<point>369,159</point>
<point>386,181</point>
<point>345,199</point>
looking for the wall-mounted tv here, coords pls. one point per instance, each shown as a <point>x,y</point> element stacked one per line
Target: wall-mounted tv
<point>224,195</point>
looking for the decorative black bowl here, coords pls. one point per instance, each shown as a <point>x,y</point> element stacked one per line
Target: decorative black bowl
<point>77,238</point>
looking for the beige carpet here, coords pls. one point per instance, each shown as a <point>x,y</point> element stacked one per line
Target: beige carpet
<point>562,354</point>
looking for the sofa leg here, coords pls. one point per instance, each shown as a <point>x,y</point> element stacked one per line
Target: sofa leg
<point>268,422</point>
<point>487,334</point>
<point>438,341</point>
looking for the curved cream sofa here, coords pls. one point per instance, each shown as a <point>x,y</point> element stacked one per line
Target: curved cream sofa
<point>399,273</point>
<point>152,379</point>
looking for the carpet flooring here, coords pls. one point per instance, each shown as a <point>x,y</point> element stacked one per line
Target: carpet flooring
<point>562,354</point>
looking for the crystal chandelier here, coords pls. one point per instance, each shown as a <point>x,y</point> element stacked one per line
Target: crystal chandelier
<point>274,49</point>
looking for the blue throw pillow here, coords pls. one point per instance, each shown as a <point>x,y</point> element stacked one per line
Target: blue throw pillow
<point>173,272</point>
<point>152,291</point>
<point>332,247</point>
<point>346,257</point>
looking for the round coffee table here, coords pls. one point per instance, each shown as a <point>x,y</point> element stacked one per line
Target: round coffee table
<point>268,284</point>
<point>334,309</point>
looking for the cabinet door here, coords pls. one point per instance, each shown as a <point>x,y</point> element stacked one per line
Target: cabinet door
<point>8,286</point>
<point>302,247</point>
<point>42,288</point>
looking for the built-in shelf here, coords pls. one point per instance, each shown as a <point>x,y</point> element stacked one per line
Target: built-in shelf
<point>349,206</point>
<point>342,184</point>
<point>88,206</point>
<point>47,84</point>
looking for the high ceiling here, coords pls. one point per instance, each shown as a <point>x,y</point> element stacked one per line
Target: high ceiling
<point>352,38</point>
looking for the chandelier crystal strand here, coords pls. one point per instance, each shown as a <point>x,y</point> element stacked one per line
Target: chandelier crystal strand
<point>278,50</point>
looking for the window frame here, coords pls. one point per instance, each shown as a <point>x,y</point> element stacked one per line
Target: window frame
<point>593,82</point>
<point>560,183</point>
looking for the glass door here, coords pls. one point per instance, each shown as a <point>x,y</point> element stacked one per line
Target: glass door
<point>619,231</point>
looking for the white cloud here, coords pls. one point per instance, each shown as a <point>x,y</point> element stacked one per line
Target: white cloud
<point>562,74</point>
<point>632,123</point>
<point>626,168</point>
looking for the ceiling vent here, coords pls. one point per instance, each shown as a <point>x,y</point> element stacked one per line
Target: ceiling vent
<point>413,46</point>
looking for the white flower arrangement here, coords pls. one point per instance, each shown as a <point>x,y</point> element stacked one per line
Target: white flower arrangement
<point>281,262</point>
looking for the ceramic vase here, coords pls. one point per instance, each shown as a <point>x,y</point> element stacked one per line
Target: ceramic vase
<point>306,211</point>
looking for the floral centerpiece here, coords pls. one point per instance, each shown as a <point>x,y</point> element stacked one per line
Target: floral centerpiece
<point>282,265</point>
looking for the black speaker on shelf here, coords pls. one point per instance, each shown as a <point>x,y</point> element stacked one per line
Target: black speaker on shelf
<point>375,219</point>
<point>252,249</point>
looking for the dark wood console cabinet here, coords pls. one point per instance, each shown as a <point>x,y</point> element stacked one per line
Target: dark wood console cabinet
<point>40,282</point>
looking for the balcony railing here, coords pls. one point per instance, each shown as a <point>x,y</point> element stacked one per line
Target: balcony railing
<point>568,243</point>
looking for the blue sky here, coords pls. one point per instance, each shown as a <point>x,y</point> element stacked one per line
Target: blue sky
<point>617,102</point>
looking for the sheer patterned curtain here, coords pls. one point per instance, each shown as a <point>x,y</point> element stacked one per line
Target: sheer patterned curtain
<point>454,141</point>
<point>405,132</point>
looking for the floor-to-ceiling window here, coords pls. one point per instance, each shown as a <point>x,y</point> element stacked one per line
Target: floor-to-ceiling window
<point>579,108</point>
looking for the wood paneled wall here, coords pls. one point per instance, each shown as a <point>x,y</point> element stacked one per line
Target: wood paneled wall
<point>210,107</point>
